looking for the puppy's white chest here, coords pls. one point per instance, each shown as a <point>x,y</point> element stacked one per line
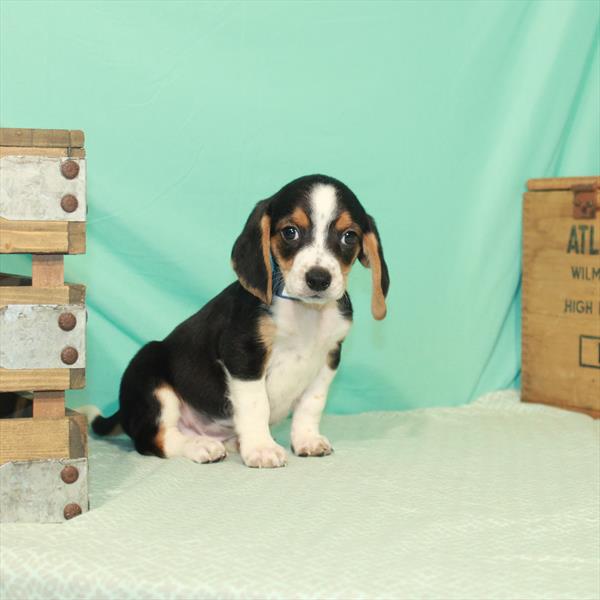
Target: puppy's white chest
<point>304,337</point>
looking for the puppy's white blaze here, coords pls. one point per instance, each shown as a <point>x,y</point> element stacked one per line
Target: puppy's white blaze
<point>323,205</point>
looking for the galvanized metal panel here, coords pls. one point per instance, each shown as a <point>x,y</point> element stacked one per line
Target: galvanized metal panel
<point>30,337</point>
<point>34,491</point>
<point>31,189</point>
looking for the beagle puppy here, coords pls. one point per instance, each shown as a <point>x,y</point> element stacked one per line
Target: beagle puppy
<point>267,345</point>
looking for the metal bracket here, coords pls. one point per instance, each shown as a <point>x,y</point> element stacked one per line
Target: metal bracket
<point>34,188</point>
<point>42,336</point>
<point>43,491</point>
<point>585,203</point>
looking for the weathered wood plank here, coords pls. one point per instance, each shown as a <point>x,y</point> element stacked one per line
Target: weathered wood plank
<point>30,295</point>
<point>78,434</point>
<point>18,289</point>
<point>77,379</point>
<point>49,405</point>
<point>560,183</point>
<point>29,439</point>
<point>19,237</point>
<point>41,237</point>
<point>77,238</point>
<point>25,151</point>
<point>47,271</point>
<point>46,138</point>
<point>18,380</point>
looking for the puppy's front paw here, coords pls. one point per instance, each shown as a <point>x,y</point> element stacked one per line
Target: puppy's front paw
<point>266,455</point>
<point>311,445</point>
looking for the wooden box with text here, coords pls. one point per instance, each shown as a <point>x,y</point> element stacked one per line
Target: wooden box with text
<point>561,293</point>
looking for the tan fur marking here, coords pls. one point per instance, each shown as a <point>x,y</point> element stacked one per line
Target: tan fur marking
<point>300,218</point>
<point>345,268</point>
<point>159,440</point>
<point>265,234</point>
<point>266,334</point>
<point>370,248</point>
<point>254,291</point>
<point>285,264</point>
<point>265,226</point>
<point>344,221</point>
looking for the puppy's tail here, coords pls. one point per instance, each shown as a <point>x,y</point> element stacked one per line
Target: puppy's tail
<point>102,425</point>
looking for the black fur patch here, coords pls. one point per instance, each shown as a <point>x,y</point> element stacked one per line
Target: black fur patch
<point>334,357</point>
<point>247,253</point>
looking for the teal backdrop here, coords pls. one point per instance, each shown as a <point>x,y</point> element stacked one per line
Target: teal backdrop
<point>434,113</point>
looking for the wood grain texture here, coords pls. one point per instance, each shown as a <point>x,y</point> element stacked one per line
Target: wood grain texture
<point>29,439</point>
<point>561,304</point>
<point>47,271</point>
<point>77,238</point>
<point>561,183</point>
<point>18,380</point>
<point>76,379</point>
<point>78,434</point>
<point>31,295</point>
<point>17,289</point>
<point>41,237</point>
<point>48,405</point>
<point>51,152</point>
<point>44,138</point>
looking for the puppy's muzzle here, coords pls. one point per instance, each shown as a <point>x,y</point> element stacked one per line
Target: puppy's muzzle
<point>318,279</point>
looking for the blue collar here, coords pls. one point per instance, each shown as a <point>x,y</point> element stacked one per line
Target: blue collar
<point>278,287</point>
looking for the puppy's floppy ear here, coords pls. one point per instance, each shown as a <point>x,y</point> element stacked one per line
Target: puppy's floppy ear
<point>251,254</point>
<point>371,255</point>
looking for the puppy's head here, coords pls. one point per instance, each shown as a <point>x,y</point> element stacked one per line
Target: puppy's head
<point>312,231</point>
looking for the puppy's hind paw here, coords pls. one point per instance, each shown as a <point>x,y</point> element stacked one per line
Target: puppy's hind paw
<point>203,449</point>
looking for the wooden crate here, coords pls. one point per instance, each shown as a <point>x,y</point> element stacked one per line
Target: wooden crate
<point>43,191</point>
<point>561,293</point>
<point>43,464</point>
<point>37,365</point>
<point>42,325</point>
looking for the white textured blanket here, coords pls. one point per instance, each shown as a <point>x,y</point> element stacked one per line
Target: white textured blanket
<point>492,500</point>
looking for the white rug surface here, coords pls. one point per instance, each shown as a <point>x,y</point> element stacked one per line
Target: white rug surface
<point>495,499</point>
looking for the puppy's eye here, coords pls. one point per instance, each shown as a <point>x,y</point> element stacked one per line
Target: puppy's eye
<point>349,238</point>
<point>290,234</point>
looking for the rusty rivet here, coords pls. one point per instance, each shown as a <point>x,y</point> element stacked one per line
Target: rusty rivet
<point>67,321</point>
<point>69,474</point>
<point>69,169</point>
<point>69,355</point>
<point>69,203</point>
<point>71,510</point>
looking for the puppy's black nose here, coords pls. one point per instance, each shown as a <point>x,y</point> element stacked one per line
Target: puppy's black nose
<point>318,279</point>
